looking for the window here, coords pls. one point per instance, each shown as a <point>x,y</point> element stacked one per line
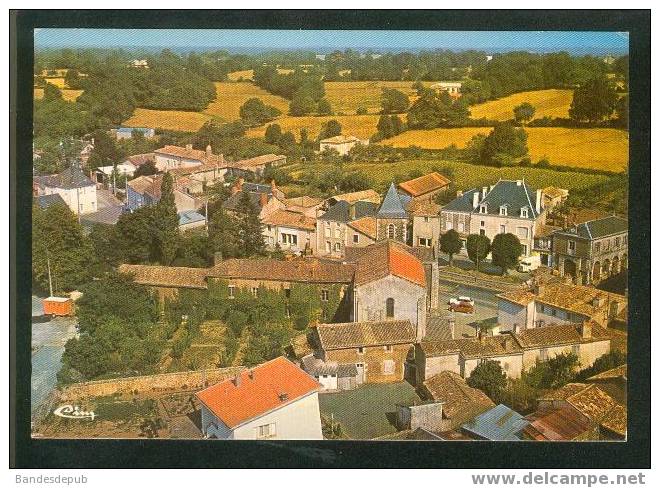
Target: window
<point>255,291</point>
<point>463,243</point>
<point>356,238</point>
<point>502,229</point>
<point>287,292</point>
<point>325,295</point>
<point>461,227</point>
<point>542,308</point>
<point>482,223</point>
<point>449,225</point>
<point>360,350</point>
<point>291,239</point>
<point>265,431</point>
<point>232,291</point>
<point>524,249</point>
<point>597,247</point>
<point>576,349</point>
<point>337,246</point>
<point>503,210</point>
<point>625,240</point>
<point>523,232</point>
<point>553,312</point>
<point>391,231</point>
<point>483,209</point>
<point>389,307</point>
<point>482,232</point>
<point>426,219</point>
<point>328,246</point>
<point>388,366</point>
<point>424,242</point>
<point>524,212</point>
<point>571,246</point>
<point>543,354</point>
<point>617,242</point>
<point>387,348</point>
<point>269,227</point>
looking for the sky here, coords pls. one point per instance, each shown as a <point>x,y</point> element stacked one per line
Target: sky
<point>331,39</point>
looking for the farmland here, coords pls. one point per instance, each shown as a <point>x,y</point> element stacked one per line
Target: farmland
<point>605,149</point>
<point>230,97</point>
<point>465,175</point>
<point>362,126</point>
<point>346,96</point>
<point>248,74</point>
<point>68,95</point>
<point>548,103</point>
<point>167,119</point>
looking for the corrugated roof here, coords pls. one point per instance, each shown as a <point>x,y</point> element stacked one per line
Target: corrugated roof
<point>362,334</point>
<point>500,423</point>
<point>266,387</point>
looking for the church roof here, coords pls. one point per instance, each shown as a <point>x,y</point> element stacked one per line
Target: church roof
<point>393,205</point>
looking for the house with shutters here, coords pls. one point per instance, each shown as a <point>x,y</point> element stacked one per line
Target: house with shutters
<point>292,231</point>
<point>273,401</point>
<point>593,250</point>
<point>506,207</point>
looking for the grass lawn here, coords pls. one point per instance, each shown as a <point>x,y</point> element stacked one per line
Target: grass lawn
<point>367,411</point>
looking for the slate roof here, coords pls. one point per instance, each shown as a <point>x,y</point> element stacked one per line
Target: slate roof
<point>72,177</point>
<point>304,270</point>
<point>341,211</point>
<point>190,217</point>
<point>393,206</point>
<point>358,196</point>
<point>45,201</point>
<point>166,276</point>
<point>262,389</point>
<point>596,229</point>
<point>362,334</point>
<point>515,194</point>
<point>386,258</point>
<point>500,423</point>
<point>424,184</point>
<point>460,402</point>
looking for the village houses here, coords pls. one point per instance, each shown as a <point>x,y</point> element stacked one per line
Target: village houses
<point>341,144</point>
<point>73,186</point>
<point>273,401</point>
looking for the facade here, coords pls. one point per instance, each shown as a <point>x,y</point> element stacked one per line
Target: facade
<point>172,157</point>
<point>451,87</point>
<point>556,304</point>
<point>592,251</point>
<point>331,375</point>
<point>515,352</point>
<point>307,206</point>
<point>426,224</point>
<point>341,144</point>
<point>334,233</point>
<point>76,189</point>
<point>425,188</point>
<point>293,232</point>
<point>392,218</point>
<point>127,132</point>
<point>543,243</point>
<point>273,401</point>
<point>553,197</point>
<point>145,190</point>
<point>507,207</point>
<point>377,350</point>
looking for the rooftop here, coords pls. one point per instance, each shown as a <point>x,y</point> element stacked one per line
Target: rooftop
<point>424,184</point>
<point>257,161</point>
<point>286,218</point>
<point>341,139</point>
<point>588,399</point>
<point>500,423</point>
<point>554,192</point>
<point>363,334</point>
<point>190,217</point>
<point>618,372</point>
<point>388,258</point>
<point>304,201</point>
<point>45,201</point>
<point>556,424</point>
<point>394,205</point>
<point>260,390</point>
<point>303,270</point>
<point>190,153</point>
<point>341,211</point>
<point>596,229</point>
<point>358,196</point>
<point>140,159</point>
<point>515,194</point>
<point>616,420</point>
<point>72,177</point>
<point>166,276</point>
<point>365,225</point>
<point>424,208</point>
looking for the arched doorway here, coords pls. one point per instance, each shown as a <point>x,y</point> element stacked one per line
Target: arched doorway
<point>615,265</point>
<point>606,268</point>
<point>570,268</point>
<point>624,261</point>
<point>595,274</point>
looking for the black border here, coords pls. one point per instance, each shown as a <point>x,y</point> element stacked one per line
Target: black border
<point>28,453</point>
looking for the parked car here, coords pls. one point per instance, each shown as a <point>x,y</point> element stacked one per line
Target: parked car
<point>461,304</point>
<point>529,263</point>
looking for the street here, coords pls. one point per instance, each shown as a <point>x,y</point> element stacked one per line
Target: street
<point>485,304</point>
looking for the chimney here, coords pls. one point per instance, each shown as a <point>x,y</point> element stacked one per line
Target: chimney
<point>209,152</point>
<point>585,330</point>
<point>351,212</point>
<point>538,201</point>
<point>519,182</point>
<point>251,374</point>
<point>263,199</point>
<point>283,396</point>
<point>481,336</point>
<point>217,258</point>
<point>237,380</point>
<point>484,191</point>
<point>452,328</point>
<point>188,147</point>
<point>475,199</point>
<point>459,193</point>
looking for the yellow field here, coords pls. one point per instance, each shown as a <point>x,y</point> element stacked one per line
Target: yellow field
<point>58,82</point>
<point>68,95</point>
<point>550,103</point>
<point>167,119</point>
<point>230,97</point>
<point>247,74</point>
<point>586,148</point>
<point>347,96</point>
<point>362,126</point>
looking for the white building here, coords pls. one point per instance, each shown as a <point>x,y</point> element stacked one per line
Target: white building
<point>293,231</point>
<point>341,144</point>
<point>171,157</point>
<point>76,189</point>
<point>275,400</point>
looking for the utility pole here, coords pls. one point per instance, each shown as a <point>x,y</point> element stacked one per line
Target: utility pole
<point>50,280</point>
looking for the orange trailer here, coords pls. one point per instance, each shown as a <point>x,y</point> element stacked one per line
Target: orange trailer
<point>58,306</point>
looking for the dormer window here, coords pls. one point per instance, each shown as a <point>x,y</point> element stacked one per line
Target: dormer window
<point>483,208</point>
<point>503,210</point>
<point>524,212</point>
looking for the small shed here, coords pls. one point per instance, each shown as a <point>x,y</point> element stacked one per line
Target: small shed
<point>58,306</point>
<point>500,423</point>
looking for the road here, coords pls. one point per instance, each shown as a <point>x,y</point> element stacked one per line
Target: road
<point>48,341</point>
<point>485,304</point>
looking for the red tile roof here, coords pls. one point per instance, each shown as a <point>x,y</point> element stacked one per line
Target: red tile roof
<point>366,225</point>
<point>388,258</point>
<point>286,218</point>
<point>557,424</point>
<point>265,388</point>
<point>424,184</point>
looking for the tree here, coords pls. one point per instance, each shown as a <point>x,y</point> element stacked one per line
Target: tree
<point>489,378</point>
<point>478,247</point>
<point>606,362</point>
<point>167,222</point>
<point>250,232</point>
<point>506,250</point>
<point>622,111</point>
<point>57,237</point>
<point>393,101</point>
<point>223,238</point>
<point>273,133</point>
<point>593,101</point>
<point>302,104</point>
<point>133,240</point>
<point>51,92</point>
<point>553,373</point>
<point>385,127</point>
<point>146,169</point>
<point>255,112</point>
<point>524,112</point>
<point>72,79</point>
<point>331,128</point>
<point>431,110</point>
<point>504,144</point>
<point>361,110</point>
<point>324,107</point>
<point>450,243</point>
<point>397,125</point>
<point>106,152</point>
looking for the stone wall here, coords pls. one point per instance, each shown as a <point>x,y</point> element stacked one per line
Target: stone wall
<point>185,380</point>
<point>373,358</point>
